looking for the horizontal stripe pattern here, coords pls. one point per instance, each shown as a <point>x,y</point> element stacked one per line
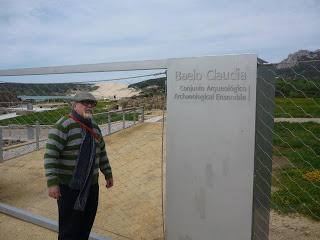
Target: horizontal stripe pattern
<point>62,149</point>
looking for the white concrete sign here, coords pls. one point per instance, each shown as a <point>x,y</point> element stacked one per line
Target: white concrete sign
<point>210,147</point>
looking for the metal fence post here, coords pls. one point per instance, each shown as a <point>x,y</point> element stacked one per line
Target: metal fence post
<point>37,135</point>
<point>109,123</point>
<point>30,132</point>
<point>1,145</point>
<point>10,134</point>
<point>142,114</point>
<point>134,116</point>
<point>123,120</point>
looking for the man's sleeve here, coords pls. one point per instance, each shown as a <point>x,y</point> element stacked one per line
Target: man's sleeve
<point>104,164</point>
<point>57,139</point>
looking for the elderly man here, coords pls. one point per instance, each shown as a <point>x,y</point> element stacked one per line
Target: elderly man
<point>74,153</point>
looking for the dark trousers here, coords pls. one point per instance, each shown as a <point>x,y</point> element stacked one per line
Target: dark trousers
<point>73,224</point>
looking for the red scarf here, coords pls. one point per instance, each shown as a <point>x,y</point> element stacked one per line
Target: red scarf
<point>90,130</point>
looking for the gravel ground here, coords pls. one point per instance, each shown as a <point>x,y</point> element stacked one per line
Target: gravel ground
<point>131,209</point>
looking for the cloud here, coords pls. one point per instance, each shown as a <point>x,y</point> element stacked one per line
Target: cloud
<point>39,33</point>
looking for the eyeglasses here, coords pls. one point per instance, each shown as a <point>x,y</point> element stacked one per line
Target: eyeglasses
<point>87,103</point>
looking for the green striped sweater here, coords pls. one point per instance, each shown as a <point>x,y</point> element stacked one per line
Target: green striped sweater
<point>62,149</point>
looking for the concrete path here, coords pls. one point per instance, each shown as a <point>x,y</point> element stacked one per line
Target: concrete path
<point>8,115</point>
<point>154,119</point>
<point>297,120</point>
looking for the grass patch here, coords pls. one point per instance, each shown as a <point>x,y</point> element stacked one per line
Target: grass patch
<point>295,193</point>
<point>44,118</point>
<point>52,116</point>
<point>297,107</point>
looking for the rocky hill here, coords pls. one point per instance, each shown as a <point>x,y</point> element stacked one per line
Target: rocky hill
<point>150,87</point>
<point>302,64</point>
<point>299,57</point>
<point>159,82</point>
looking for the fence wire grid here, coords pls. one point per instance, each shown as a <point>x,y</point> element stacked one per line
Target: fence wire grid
<point>131,121</point>
<point>134,127</point>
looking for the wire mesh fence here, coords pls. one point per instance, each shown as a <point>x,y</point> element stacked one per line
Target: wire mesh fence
<point>130,120</point>
<point>295,175</point>
<point>133,209</point>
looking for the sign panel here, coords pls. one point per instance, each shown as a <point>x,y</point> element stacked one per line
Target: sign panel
<point>210,147</point>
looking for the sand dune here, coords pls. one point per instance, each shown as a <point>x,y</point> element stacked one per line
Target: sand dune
<point>111,90</point>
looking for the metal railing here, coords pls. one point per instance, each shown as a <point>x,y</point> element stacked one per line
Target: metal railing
<point>17,140</point>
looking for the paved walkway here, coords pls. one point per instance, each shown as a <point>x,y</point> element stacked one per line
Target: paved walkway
<point>154,119</point>
<point>297,120</point>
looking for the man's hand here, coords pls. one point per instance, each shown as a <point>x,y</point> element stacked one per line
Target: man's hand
<point>109,182</point>
<point>54,192</point>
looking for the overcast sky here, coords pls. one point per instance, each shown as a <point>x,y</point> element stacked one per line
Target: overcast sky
<point>47,33</point>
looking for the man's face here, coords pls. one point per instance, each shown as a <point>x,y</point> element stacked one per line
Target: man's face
<point>85,108</point>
